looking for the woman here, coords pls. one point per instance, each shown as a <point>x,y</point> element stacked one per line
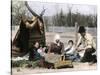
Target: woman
<point>35,56</point>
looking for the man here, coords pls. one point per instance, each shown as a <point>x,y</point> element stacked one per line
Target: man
<point>86,45</point>
<point>57,46</point>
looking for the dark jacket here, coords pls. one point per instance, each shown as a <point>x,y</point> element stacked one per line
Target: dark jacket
<point>34,55</point>
<point>56,49</point>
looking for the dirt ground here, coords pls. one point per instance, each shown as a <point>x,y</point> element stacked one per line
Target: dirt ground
<point>49,38</point>
<point>77,67</point>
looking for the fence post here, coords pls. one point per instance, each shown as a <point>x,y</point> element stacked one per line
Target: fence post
<point>76,30</point>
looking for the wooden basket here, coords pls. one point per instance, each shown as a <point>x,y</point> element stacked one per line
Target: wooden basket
<point>62,63</point>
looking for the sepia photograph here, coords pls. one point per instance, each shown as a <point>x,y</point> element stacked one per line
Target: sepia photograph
<point>49,37</point>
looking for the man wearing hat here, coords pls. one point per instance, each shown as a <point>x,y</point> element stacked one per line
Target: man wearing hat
<point>86,46</point>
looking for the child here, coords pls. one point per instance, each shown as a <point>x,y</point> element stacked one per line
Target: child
<point>70,52</point>
<point>41,51</point>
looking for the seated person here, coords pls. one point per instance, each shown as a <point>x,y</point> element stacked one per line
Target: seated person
<point>41,51</point>
<point>70,52</point>
<point>57,46</point>
<point>35,56</point>
<point>88,46</point>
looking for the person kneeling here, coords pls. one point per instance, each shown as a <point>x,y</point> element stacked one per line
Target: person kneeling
<point>86,46</point>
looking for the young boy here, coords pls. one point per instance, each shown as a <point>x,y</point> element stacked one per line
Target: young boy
<point>70,52</point>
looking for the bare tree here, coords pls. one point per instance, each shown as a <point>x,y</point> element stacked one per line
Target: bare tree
<point>17,11</point>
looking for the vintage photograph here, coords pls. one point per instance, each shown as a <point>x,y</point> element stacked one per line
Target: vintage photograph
<point>51,37</point>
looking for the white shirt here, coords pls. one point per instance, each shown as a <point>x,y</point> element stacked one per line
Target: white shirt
<point>71,49</point>
<point>87,41</point>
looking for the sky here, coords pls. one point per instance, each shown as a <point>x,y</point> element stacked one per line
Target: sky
<point>53,8</point>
